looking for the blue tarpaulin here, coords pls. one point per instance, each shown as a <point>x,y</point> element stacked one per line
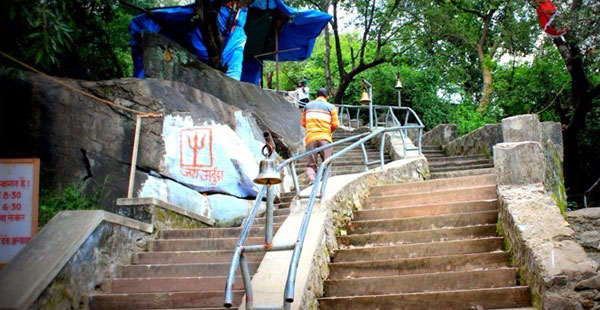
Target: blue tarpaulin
<point>296,36</point>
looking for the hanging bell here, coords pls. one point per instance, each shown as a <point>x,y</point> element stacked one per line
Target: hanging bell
<point>267,175</point>
<point>364,97</point>
<point>398,83</point>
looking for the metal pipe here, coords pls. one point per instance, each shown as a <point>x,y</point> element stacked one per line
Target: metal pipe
<point>381,150</point>
<point>260,248</point>
<point>366,158</point>
<point>231,277</point>
<point>295,178</point>
<point>269,216</point>
<point>327,173</point>
<point>247,281</point>
<point>136,143</point>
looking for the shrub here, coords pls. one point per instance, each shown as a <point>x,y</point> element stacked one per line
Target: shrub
<point>70,198</point>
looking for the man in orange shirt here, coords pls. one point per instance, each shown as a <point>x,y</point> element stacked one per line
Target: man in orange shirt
<point>320,119</point>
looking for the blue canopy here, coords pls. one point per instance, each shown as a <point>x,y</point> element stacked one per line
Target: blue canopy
<point>251,33</point>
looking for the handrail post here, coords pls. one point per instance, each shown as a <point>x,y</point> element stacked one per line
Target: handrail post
<point>269,215</point>
<point>381,150</point>
<point>295,177</point>
<point>324,185</point>
<point>247,281</point>
<point>365,156</point>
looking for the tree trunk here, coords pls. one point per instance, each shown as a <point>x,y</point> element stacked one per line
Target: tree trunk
<point>582,94</point>
<point>487,83</point>
<point>328,79</point>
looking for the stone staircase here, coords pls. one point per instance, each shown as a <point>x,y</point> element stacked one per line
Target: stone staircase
<point>425,245</point>
<point>443,166</point>
<point>187,268</point>
<point>184,268</point>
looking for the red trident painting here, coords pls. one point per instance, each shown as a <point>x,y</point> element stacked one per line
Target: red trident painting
<point>195,147</point>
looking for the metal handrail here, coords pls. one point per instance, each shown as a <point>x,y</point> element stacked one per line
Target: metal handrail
<point>239,258</point>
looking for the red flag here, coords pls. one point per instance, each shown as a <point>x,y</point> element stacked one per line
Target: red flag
<point>546,12</point>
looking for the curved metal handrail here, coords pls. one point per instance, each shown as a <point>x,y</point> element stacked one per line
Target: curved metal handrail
<point>239,258</point>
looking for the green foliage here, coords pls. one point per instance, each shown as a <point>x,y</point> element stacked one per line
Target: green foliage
<point>70,198</point>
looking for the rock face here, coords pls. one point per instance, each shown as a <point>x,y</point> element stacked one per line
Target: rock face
<point>271,111</point>
<point>202,144</point>
<point>586,224</point>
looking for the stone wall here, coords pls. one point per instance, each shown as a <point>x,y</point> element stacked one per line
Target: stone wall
<point>477,142</point>
<point>341,206</point>
<point>557,269</point>
<point>548,135</point>
<point>586,224</point>
<point>109,246</point>
<point>440,135</point>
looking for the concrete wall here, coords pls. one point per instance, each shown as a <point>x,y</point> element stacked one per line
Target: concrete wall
<point>477,142</point>
<point>440,135</point>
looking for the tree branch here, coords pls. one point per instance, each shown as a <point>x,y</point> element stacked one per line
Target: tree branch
<point>471,11</point>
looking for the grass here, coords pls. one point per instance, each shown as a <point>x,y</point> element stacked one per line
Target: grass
<point>69,198</point>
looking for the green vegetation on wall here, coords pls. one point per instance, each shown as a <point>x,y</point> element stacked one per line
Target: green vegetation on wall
<point>68,198</point>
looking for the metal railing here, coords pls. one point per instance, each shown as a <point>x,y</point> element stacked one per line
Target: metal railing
<point>318,190</point>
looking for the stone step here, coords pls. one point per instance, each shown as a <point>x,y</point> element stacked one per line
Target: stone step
<point>178,270</point>
<point>428,152</point>
<point>431,148</point>
<point>276,220</point>
<point>425,210</point>
<point>171,245</point>
<point>419,236</point>
<point>420,250</point>
<point>423,222</point>
<point>441,281</point>
<point>430,264</point>
<point>175,284</point>
<point>201,299</point>
<point>460,163</point>
<point>461,173</point>
<point>189,257</point>
<point>232,232</point>
<point>441,196</point>
<point>454,158</point>
<point>458,167</point>
<point>433,185</point>
<point>434,155</point>
<point>504,297</point>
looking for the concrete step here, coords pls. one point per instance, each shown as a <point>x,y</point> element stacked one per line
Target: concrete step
<point>461,173</point>
<point>431,148</point>
<point>419,236</point>
<point>440,281</point>
<point>201,299</point>
<point>423,222</point>
<point>441,196</point>
<point>233,232</point>
<point>174,284</point>
<point>429,264</point>
<point>178,270</point>
<point>171,245</point>
<point>433,185</point>
<point>420,250</point>
<point>455,158</point>
<point>457,163</point>
<point>459,168</point>
<point>189,257</point>
<point>505,297</point>
<point>276,220</point>
<point>425,210</point>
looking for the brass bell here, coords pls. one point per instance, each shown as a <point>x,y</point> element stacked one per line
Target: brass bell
<point>398,83</point>
<point>266,173</point>
<point>364,97</point>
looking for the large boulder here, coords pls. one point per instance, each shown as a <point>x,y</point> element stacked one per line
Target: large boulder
<point>167,60</point>
<point>201,146</point>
